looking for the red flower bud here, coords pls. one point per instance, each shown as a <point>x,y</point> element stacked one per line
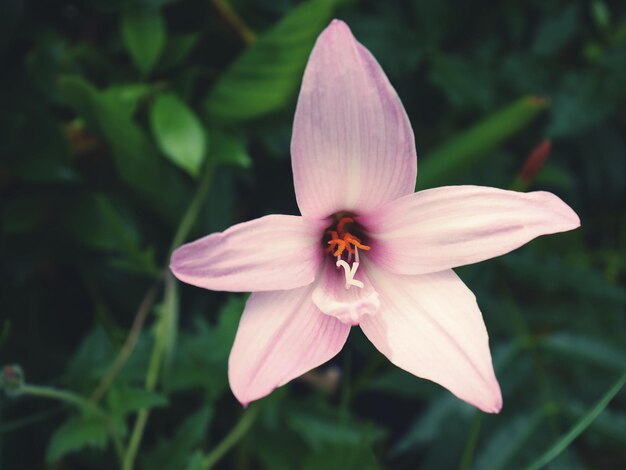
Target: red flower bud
<point>535,161</point>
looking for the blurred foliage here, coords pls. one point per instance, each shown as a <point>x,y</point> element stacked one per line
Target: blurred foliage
<point>116,113</point>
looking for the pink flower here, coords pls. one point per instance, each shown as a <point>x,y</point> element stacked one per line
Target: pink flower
<point>367,250</point>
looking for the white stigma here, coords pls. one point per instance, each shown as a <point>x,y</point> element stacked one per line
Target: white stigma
<point>350,271</point>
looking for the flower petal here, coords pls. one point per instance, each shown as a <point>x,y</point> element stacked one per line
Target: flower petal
<point>281,336</point>
<point>352,147</point>
<point>430,326</point>
<point>441,228</point>
<point>274,252</point>
<point>347,305</point>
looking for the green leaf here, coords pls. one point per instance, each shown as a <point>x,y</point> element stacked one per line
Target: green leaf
<point>75,434</point>
<point>95,222</point>
<point>267,75</point>
<point>509,440</point>
<point>110,113</point>
<point>123,399</point>
<point>550,274</point>
<point>177,49</point>
<point>196,461</point>
<point>583,101</point>
<point>471,146</point>
<point>560,445</point>
<point>358,456</point>
<point>430,424</point>
<point>144,37</point>
<point>465,81</point>
<point>135,156</point>
<point>228,150</point>
<point>178,132</point>
<point>94,353</point>
<point>555,32</point>
<point>586,348</point>
<point>320,429</point>
<point>207,349</point>
<point>173,453</point>
<point>79,94</point>
<point>399,383</point>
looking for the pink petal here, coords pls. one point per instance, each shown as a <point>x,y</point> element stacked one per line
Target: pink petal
<point>281,336</point>
<point>441,228</point>
<point>347,305</point>
<point>271,253</point>
<point>430,326</point>
<point>352,147</point>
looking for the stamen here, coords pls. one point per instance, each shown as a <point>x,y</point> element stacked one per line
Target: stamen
<point>349,238</point>
<point>344,244</point>
<point>341,223</point>
<point>341,240</point>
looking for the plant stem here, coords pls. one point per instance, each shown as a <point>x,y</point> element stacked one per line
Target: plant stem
<point>234,436</point>
<point>80,402</point>
<point>167,312</point>
<point>186,223</point>
<point>129,345</point>
<point>152,378</point>
<point>62,395</point>
<point>562,444</point>
<point>472,439</point>
<point>234,21</point>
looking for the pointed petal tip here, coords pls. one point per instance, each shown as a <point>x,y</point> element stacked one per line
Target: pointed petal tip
<point>493,404</point>
<point>496,406</point>
<point>244,397</point>
<point>338,25</point>
<point>496,409</point>
<point>568,219</point>
<point>336,29</point>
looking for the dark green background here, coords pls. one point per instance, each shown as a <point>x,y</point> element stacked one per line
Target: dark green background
<point>113,113</point>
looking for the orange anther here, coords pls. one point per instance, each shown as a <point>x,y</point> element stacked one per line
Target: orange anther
<point>336,242</point>
<point>344,244</point>
<point>356,242</point>
<point>341,240</point>
<point>341,223</point>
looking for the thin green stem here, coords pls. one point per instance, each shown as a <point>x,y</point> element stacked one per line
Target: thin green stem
<point>472,440</point>
<point>62,395</point>
<point>234,21</point>
<point>152,378</point>
<point>167,312</point>
<point>129,346</point>
<point>579,427</point>
<point>189,219</point>
<point>234,436</point>
<point>80,402</point>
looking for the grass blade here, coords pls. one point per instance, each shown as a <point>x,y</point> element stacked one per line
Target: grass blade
<point>584,422</point>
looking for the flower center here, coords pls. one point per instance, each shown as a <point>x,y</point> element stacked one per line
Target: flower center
<point>344,239</point>
<point>342,243</point>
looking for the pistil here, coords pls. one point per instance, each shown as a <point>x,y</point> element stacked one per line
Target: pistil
<point>350,271</point>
